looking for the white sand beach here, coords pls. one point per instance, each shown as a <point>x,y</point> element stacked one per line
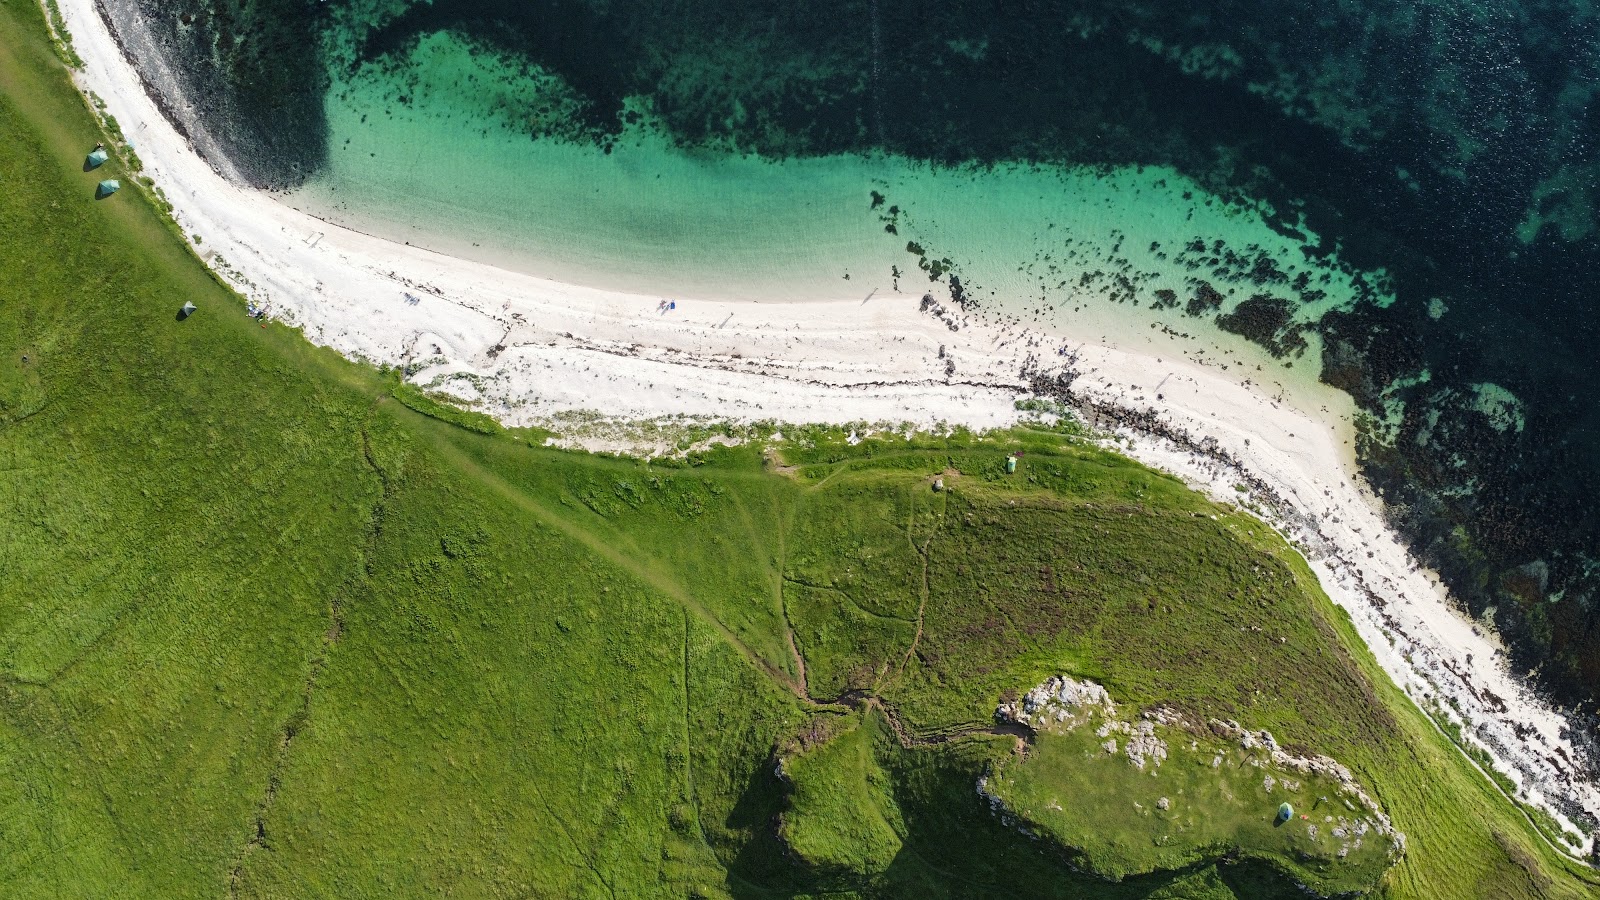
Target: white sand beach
<point>529,351</point>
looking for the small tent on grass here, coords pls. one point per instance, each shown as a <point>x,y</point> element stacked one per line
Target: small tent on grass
<point>187,311</point>
<point>106,188</point>
<point>98,158</point>
<point>1285,812</point>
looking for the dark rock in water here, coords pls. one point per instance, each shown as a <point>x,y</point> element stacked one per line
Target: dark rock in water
<point>1365,352</point>
<point>1166,298</point>
<point>1206,300</point>
<point>958,294</point>
<point>1265,320</point>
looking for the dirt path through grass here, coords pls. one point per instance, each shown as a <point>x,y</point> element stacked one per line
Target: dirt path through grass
<point>925,589</point>
<point>606,550</point>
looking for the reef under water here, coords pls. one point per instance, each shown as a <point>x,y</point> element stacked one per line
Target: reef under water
<point>1450,150</point>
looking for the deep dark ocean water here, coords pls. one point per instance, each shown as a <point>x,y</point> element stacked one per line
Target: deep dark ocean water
<point>1453,145</point>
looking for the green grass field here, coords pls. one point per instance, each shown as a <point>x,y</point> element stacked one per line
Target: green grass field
<point>270,627</point>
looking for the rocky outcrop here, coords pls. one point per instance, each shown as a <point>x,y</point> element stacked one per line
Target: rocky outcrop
<point>1061,704</point>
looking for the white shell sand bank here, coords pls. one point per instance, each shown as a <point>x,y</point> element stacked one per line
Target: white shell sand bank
<point>530,350</point>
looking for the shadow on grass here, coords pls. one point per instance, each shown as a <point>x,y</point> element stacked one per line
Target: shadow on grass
<point>762,866</point>
<point>954,847</point>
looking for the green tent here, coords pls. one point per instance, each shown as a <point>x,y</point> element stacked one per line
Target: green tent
<point>1285,812</point>
<point>187,311</point>
<point>107,188</point>
<point>98,158</point>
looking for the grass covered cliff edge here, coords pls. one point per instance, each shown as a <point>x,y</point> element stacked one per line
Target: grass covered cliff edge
<point>268,630</point>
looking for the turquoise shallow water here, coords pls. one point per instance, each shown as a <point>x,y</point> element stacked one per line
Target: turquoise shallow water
<point>645,217</point>
<point>452,168</point>
<point>447,170</point>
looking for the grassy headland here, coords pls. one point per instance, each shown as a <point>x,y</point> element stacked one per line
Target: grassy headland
<point>268,631</point>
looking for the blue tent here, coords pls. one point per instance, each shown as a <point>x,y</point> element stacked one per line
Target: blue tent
<point>98,158</point>
<point>1285,812</point>
<point>107,188</point>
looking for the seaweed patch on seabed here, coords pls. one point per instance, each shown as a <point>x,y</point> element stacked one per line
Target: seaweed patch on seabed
<point>245,87</point>
<point>1481,714</point>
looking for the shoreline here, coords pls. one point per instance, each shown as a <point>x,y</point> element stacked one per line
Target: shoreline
<point>529,350</point>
